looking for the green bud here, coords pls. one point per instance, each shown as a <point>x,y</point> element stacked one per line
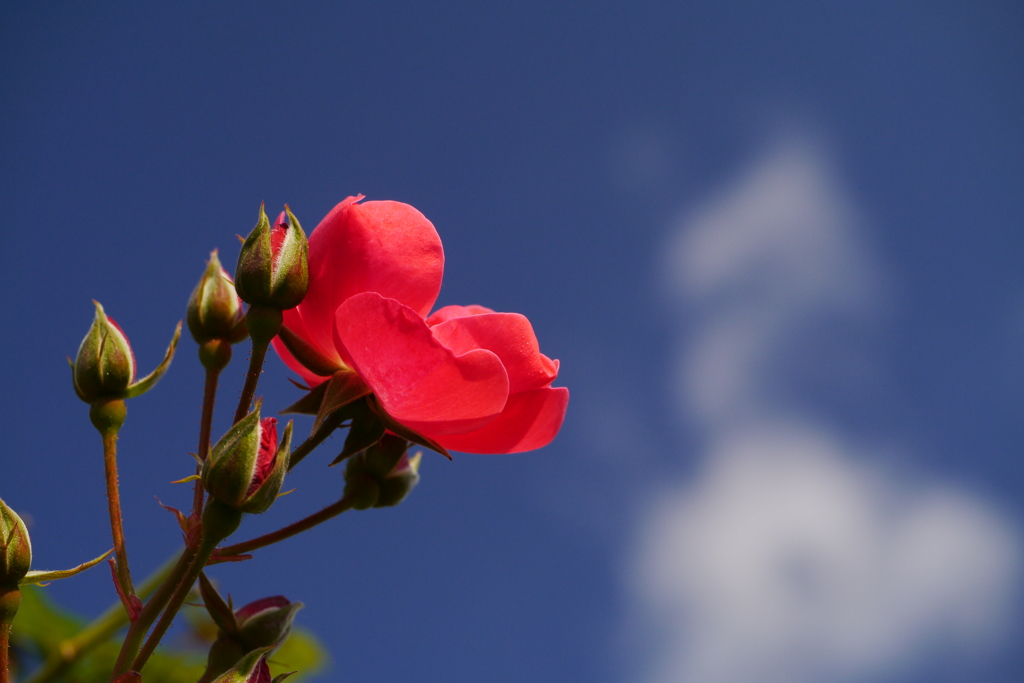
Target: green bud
<point>104,368</point>
<point>15,548</point>
<point>264,623</point>
<point>267,621</point>
<point>214,309</point>
<point>382,475</point>
<point>246,468</point>
<point>273,267</point>
<point>105,364</point>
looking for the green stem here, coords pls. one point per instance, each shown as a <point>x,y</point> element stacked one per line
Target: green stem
<point>252,377</point>
<point>108,417</point>
<point>219,522</point>
<point>205,427</point>
<point>99,631</point>
<point>287,532</point>
<point>10,600</point>
<point>137,630</point>
<point>5,636</point>
<point>263,325</point>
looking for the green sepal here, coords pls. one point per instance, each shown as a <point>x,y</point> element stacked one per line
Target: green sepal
<point>266,494</point>
<point>228,470</point>
<point>366,430</point>
<point>255,261</point>
<point>43,576</point>
<point>246,669</point>
<point>310,403</point>
<point>150,380</point>
<point>401,430</point>
<point>220,611</point>
<point>343,388</point>
<point>280,677</point>
<point>15,548</point>
<point>290,277</point>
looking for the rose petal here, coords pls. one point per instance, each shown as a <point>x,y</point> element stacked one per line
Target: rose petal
<point>419,382</point>
<point>448,312</point>
<point>510,336</point>
<point>531,419</point>
<point>385,247</point>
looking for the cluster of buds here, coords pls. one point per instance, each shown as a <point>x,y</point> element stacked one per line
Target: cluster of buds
<point>382,475</point>
<point>245,470</point>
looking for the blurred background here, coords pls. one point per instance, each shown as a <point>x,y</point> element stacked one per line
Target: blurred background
<point>777,248</point>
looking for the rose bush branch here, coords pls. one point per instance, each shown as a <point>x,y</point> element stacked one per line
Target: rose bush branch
<point>304,524</point>
<point>103,374</point>
<point>243,474</point>
<point>216,321</point>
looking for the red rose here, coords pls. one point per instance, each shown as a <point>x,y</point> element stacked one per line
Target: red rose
<point>468,378</point>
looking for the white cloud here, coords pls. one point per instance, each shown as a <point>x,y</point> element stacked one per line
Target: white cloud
<point>789,558</point>
<point>772,253</point>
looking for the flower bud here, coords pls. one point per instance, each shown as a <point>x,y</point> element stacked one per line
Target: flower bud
<point>105,364</point>
<point>273,269</point>
<point>246,468</point>
<point>104,369</point>
<point>214,309</point>
<point>264,623</point>
<point>382,475</point>
<point>15,548</point>
<point>267,621</point>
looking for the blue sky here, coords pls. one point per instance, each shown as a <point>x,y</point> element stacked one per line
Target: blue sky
<point>777,250</point>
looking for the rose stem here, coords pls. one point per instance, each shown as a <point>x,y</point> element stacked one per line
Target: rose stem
<point>137,629</point>
<point>287,532</point>
<point>219,521</point>
<point>205,426</point>
<point>10,600</point>
<point>259,352</point>
<point>108,417</point>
